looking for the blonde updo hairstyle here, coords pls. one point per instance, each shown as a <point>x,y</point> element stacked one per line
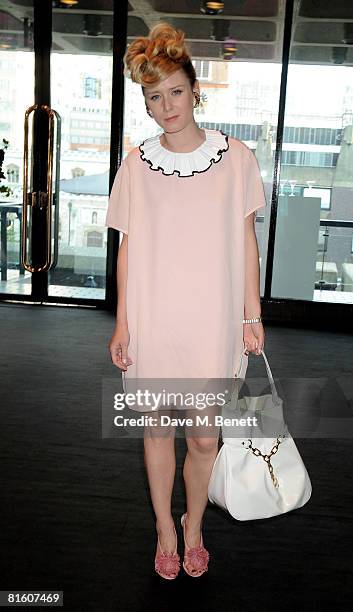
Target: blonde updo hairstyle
<point>154,58</point>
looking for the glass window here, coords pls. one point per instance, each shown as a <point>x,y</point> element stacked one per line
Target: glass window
<point>312,254</point>
<point>92,88</point>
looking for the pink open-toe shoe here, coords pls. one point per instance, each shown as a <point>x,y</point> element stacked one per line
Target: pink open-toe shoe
<point>195,559</point>
<point>167,565</point>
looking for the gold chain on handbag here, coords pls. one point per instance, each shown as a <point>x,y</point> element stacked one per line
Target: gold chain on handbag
<point>267,458</point>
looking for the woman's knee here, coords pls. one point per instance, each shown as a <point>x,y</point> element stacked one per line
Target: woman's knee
<point>159,433</point>
<point>202,445</point>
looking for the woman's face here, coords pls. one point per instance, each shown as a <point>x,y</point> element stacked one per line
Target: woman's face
<point>172,97</point>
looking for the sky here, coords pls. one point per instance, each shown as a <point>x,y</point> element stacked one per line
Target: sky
<point>310,89</point>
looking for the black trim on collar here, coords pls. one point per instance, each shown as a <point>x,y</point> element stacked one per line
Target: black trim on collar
<point>212,161</point>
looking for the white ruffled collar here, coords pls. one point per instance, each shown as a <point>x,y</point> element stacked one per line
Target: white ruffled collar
<point>185,164</point>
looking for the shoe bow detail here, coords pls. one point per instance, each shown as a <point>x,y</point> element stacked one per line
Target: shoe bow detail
<point>167,563</point>
<point>198,557</point>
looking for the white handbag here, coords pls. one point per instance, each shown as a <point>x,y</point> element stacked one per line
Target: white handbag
<point>258,472</point>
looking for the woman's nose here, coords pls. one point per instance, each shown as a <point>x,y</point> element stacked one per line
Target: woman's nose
<point>167,104</point>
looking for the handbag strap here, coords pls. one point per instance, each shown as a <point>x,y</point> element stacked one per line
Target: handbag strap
<point>275,395</point>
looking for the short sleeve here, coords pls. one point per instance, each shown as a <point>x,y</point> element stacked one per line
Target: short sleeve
<point>254,188</point>
<point>119,200</point>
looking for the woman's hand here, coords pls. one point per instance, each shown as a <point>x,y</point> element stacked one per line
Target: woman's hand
<point>118,345</point>
<point>254,337</point>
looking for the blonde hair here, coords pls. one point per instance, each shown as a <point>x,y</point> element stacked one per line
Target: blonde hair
<point>157,56</point>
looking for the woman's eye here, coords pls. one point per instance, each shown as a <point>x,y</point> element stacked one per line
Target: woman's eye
<point>178,91</point>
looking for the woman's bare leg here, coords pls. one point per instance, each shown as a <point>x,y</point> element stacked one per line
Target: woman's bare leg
<point>159,456</point>
<point>198,464</point>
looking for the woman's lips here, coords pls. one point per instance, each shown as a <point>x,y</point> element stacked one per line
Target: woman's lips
<point>172,118</point>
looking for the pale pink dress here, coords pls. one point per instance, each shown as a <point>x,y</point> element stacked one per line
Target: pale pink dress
<point>185,285</point>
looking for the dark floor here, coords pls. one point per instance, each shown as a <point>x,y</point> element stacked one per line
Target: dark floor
<point>76,512</point>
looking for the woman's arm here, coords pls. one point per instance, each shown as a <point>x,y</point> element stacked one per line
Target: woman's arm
<point>120,339</point>
<point>121,275</point>
<point>252,304</point>
<point>253,332</point>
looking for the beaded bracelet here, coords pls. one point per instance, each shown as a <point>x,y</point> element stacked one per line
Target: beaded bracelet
<point>254,320</point>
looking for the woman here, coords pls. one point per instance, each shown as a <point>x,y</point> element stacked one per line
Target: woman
<point>187,270</point>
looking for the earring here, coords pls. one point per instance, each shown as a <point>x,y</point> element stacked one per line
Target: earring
<point>149,112</point>
<point>197,99</point>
